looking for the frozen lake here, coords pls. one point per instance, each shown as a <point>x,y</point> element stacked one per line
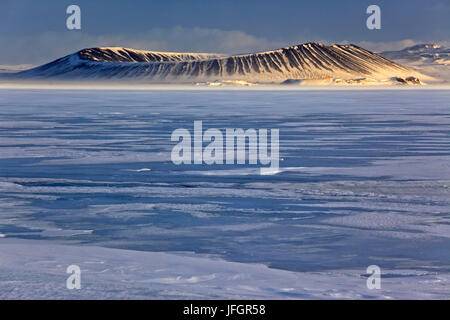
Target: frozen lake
<point>364,180</point>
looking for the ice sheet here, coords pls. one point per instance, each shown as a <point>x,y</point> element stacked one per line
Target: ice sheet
<point>364,179</point>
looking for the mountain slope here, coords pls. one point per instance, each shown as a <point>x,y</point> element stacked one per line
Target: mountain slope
<point>306,61</point>
<point>119,54</point>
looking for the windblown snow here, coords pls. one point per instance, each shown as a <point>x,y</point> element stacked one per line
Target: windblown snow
<point>305,61</point>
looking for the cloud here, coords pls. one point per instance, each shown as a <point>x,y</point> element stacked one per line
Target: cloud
<point>52,45</point>
<point>392,45</point>
<point>388,46</point>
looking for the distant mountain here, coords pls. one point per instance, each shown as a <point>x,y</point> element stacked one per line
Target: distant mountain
<point>431,52</point>
<point>305,61</point>
<point>429,59</point>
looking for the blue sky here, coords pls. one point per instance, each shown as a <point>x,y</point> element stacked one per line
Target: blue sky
<point>35,31</point>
